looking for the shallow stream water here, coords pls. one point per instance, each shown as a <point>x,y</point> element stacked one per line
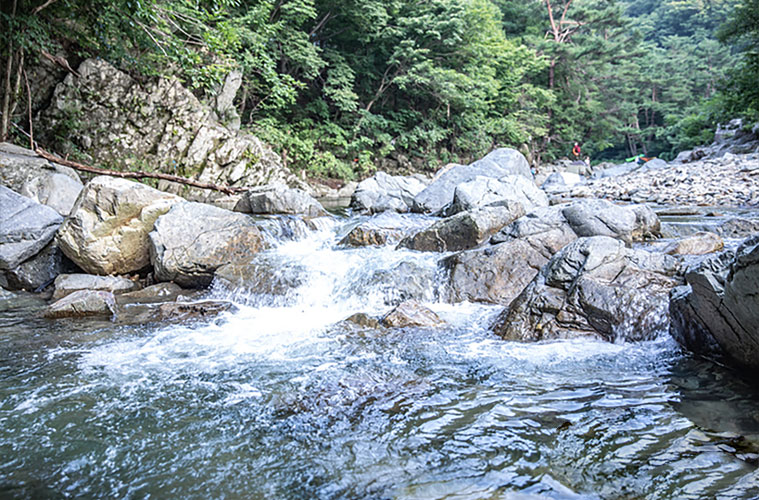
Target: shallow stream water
<point>282,399</point>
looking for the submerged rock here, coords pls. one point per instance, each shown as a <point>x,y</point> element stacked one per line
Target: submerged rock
<point>26,227</point>
<point>107,231</point>
<point>383,192</point>
<point>593,287</point>
<point>405,281</point>
<point>81,304</point>
<point>717,312</point>
<point>464,230</point>
<point>411,313</point>
<point>192,240</point>
<point>496,164</point>
<point>66,284</point>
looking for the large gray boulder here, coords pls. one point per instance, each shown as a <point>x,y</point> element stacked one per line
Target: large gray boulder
<point>487,191</point>
<point>26,227</point>
<point>497,164</point>
<point>19,166</point>
<point>383,192</point>
<point>464,230</point>
<point>498,273</point>
<point>40,270</point>
<point>107,231</point>
<point>56,190</point>
<point>279,199</point>
<point>593,287</point>
<point>717,312</point>
<point>192,240</point>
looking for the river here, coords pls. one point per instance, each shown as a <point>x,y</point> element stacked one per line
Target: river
<point>280,398</point>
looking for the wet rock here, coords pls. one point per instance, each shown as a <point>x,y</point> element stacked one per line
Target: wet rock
<point>66,284</point>
<point>698,244</point>
<point>107,232</point>
<point>192,240</point>
<point>593,287</point>
<point>717,312</point>
<point>498,163</point>
<point>383,192</point>
<point>26,227</point>
<point>192,310</point>
<point>261,277</point>
<point>280,199</point>
<point>486,191</point>
<point>404,281</point>
<point>83,303</point>
<point>411,313</point>
<point>40,270</point>
<point>497,274</point>
<point>152,293</point>
<point>363,320</point>
<point>464,230</point>
<point>382,229</point>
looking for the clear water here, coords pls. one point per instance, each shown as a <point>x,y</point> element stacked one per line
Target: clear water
<point>281,399</point>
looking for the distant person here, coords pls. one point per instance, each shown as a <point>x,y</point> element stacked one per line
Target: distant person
<point>576,151</point>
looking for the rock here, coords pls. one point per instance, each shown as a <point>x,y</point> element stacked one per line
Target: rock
<point>58,191</point>
<point>497,274</point>
<point>464,230</point>
<point>192,240</point>
<point>279,199</point>
<point>363,320</point>
<point>260,277</point>
<point>157,121</point>
<point>593,287</point>
<point>561,181</point>
<point>20,167</point>
<point>498,163</point>
<point>717,312</point>
<point>382,229</point>
<point>406,280</point>
<point>654,164</point>
<point>26,227</point>
<point>40,270</point>
<point>192,310</point>
<point>698,244</point>
<point>66,284</point>
<point>411,313</point>
<point>486,191</point>
<point>383,192</point>
<point>107,232</point>
<point>83,303</point>
<point>153,293</point>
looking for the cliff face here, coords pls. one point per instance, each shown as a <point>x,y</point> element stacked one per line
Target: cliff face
<point>155,125</point>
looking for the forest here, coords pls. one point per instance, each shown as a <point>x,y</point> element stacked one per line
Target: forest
<point>339,86</point>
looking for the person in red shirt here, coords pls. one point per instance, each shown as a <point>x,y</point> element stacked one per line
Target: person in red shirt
<point>576,151</point>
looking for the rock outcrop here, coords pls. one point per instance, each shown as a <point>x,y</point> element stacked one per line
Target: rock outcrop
<point>157,124</point>
<point>26,227</point>
<point>107,231</point>
<point>383,192</point>
<point>440,192</point>
<point>192,240</point>
<point>717,312</point>
<point>499,272</point>
<point>593,287</point>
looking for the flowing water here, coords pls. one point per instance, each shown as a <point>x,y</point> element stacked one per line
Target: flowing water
<point>283,399</point>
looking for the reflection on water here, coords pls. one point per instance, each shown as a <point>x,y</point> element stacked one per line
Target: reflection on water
<point>284,400</point>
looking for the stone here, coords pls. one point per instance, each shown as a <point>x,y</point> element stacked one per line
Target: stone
<point>594,287</point>
<point>382,229</point>
<point>260,277</point>
<point>486,191</point>
<point>107,231</point>
<point>280,199</point>
<point>66,284</point>
<point>496,164</point>
<point>20,166</point>
<point>363,320</point>
<point>697,244</point>
<point>411,314</point>
<point>716,313</point>
<point>192,240</point>
<point>192,310</point>
<point>26,227</point>
<point>152,293</point>
<point>561,181</point>
<point>39,271</point>
<point>81,304</point>
<point>58,191</point>
<point>406,280</point>
<point>464,230</point>
<point>383,192</point>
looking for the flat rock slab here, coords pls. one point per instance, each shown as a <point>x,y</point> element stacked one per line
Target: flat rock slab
<point>26,227</point>
<point>66,284</point>
<point>82,304</point>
